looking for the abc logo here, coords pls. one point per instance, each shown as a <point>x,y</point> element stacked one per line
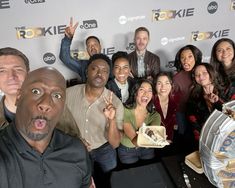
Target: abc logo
<point>122,20</point>
<point>131,46</point>
<point>49,58</point>
<point>164,41</point>
<point>212,7</point>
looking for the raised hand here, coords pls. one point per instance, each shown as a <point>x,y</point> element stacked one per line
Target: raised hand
<point>70,30</point>
<point>213,98</point>
<point>208,89</point>
<point>109,110</point>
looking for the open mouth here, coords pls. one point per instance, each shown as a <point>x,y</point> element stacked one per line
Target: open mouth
<point>144,100</point>
<point>40,124</point>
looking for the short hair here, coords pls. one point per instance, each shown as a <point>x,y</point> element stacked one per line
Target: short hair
<point>141,29</point>
<point>196,53</point>
<point>100,56</point>
<point>119,54</point>
<point>15,52</point>
<point>92,37</point>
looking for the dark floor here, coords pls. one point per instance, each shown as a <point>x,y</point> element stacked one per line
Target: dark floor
<point>183,146</point>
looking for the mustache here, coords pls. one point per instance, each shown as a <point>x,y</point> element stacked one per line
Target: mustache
<point>98,76</point>
<point>41,117</point>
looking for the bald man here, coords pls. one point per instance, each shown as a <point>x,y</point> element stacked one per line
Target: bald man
<point>32,152</point>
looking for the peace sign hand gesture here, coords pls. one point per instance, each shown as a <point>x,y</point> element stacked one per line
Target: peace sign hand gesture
<point>109,110</point>
<point>70,30</point>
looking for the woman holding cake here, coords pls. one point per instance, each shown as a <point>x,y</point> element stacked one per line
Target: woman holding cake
<point>138,110</point>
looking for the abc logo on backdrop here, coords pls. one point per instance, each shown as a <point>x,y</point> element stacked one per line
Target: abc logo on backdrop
<point>49,58</point>
<point>212,7</point>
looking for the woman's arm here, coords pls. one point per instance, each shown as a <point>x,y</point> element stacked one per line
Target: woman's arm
<point>130,133</point>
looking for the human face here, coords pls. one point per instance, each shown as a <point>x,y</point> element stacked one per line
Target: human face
<point>225,54</point>
<point>144,94</point>
<point>202,76</point>
<point>121,70</point>
<point>141,40</point>
<point>93,47</point>
<point>40,104</point>
<point>98,73</point>
<point>187,60</point>
<point>163,86</point>
<point>12,74</point>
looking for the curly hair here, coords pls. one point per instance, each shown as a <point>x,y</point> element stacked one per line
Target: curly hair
<point>196,53</point>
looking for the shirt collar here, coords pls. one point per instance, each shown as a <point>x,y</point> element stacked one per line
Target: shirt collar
<point>121,86</point>
<point>57,140</point>
<point>140,55</point>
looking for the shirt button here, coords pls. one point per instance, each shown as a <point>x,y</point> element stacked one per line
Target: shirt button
<point>86,120</point>
<point>86,131</point>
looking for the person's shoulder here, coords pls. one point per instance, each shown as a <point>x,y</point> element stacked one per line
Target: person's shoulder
<point>111,83</point>
<point>75,88</point>
<point>68,141</point>
<point>182,75</point>
<point>132,55</point>
<point>127,110</point>
<point>154,114</point>
<point>151,54</point>
<point>177,74</point>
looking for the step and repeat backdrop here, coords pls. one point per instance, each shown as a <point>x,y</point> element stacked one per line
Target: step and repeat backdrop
<point>36,27</point>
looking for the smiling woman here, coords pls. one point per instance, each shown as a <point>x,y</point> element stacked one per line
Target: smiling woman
<point>205,97</point>
<point>223,61</point>
<point>138,111</point>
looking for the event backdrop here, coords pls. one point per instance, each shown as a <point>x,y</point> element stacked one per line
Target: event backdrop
<point>36,27</point>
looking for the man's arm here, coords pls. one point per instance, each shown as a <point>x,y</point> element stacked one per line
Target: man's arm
<point>114,115</point>
<point>78,66</point>
<point>114,135</point>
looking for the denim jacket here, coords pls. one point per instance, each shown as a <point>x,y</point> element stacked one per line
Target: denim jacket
<point>78,66</point>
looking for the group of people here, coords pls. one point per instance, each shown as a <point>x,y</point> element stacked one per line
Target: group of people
<point>53,136</point>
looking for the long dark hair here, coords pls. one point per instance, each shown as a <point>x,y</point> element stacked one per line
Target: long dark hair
<point>197,90</point>
<point>225,76</point>
<point>131,101</point>
<point>196,53</point>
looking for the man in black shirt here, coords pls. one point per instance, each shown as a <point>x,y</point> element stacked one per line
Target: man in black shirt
<point>32,152</point>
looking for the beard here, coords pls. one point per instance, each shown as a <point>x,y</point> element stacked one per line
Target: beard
<point>37,135</point>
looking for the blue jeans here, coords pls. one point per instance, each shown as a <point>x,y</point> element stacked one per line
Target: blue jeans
<point>105,156</point>
<point>131,155</point>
